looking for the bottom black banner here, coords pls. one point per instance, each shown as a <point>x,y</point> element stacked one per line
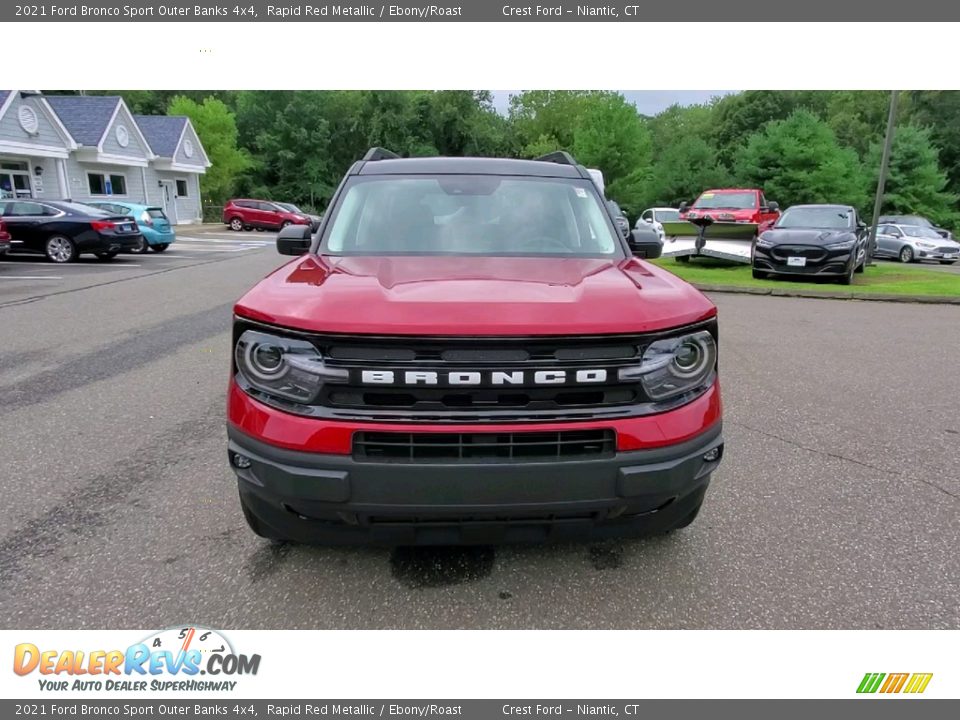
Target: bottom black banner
<point>872,708</point>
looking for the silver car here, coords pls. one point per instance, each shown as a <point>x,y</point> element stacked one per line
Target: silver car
<point>913,243</point>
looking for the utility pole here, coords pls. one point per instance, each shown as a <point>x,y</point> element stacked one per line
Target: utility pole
<point>882,180</point>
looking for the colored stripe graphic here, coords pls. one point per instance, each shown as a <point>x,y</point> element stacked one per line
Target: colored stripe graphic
<point>894,683</point>
<point>918,682</point>
<point>870,682</point>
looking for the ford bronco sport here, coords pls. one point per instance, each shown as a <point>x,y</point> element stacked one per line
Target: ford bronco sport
<point>468,351</point>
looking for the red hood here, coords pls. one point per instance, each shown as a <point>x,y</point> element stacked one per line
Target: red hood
<point>473,296</point>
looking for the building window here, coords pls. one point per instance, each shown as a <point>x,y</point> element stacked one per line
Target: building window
<point>107,184</point>
<point>182,188</point>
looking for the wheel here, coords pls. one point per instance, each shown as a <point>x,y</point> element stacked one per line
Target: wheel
<point>106,256</point>
<point>60,249</point>
<point>236,224</point>
<point>947,262</point>
<point>688,518</point>
<point>160,247</point>
<point>285,223</point>
<point>847,278</point>
<point>141,247</point>
<point>759,274</point>
<point>259,229</point>
<point>682,258</point>
<point>247,228</point>
<point>906,254</point>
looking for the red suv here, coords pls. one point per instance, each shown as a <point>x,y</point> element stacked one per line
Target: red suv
<point>471,352</point>
<point>741,205</point>
<point>4,238</point>
<point>243,214</point>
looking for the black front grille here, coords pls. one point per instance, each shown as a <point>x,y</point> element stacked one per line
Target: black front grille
<point>810,252</point>
<point>506,447</point>
<point>588,367</point>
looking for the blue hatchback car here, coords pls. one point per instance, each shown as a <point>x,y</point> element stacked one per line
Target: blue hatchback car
<point>156,229</point>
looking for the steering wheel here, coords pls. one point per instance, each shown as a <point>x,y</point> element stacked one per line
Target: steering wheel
<point>540,242</point>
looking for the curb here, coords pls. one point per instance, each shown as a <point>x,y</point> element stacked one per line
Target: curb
<point>830,295</point>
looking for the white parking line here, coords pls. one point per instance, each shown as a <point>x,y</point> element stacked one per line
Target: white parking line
<point>70,266</point>
<point>237,241</point>
<point>30,277</point>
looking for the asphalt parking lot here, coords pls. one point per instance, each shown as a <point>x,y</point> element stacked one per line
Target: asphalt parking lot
<point>836,506</point>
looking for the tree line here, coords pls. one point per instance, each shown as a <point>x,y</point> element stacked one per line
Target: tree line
<point>799,146</point>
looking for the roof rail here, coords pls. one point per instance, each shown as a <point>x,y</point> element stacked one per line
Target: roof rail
<point>379,153</point>
<point>560,157</point>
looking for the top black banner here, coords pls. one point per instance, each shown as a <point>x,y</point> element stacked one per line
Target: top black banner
<point>477,11</point>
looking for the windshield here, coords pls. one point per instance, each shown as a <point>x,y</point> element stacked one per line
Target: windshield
<point>919,231</point>
<point>726,201</point>
<point>470,215</point>
<point>667,215</point>
<point>829,217</point>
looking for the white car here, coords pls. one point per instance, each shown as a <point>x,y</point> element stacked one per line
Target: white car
<point>658,216</point>
<point>914,243</point>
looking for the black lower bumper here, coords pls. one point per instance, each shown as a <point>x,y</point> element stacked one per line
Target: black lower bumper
<point>334,499</point>
<point>108,243</point>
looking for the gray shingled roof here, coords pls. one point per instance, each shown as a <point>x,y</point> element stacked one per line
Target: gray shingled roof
<point>86,117</point>
<point>162,132</point>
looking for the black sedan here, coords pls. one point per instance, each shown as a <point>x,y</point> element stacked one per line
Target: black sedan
<point>64,230</point>
<point>819,240</point>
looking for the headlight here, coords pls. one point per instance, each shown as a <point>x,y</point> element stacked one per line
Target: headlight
<point>845,245</point>
<point>761,243</point>
<point>674,366</point>
<point>283,367</point>
<point>926,245</point>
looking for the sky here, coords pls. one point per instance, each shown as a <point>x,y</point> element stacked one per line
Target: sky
<point>648,102</point>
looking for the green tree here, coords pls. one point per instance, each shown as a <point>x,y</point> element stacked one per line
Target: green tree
<point>915,183</point>
<point>683,170</point>
<point>798,160</point>
<point>217,130</point>
<point>939,110</point>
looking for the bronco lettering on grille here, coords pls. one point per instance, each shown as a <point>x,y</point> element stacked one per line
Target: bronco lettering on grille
<point>487,377</point>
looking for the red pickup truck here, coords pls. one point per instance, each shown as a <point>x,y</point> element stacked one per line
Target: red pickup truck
<point>740,205</point>
<point>469,351</point>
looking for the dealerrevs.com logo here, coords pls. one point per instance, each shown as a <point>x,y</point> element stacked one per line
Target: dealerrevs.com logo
<point>172,659</point>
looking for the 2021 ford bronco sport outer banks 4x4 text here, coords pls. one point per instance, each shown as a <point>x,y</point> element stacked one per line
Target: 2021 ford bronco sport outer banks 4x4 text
<point>470,352</point>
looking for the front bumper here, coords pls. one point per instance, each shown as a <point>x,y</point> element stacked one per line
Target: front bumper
<point>335,499</point>
<point>834,263</point>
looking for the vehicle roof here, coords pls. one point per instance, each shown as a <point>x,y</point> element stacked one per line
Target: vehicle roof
<point>822,205</point>
<point>662,208</point>
<point>467,165</point>
<point>730,190</point>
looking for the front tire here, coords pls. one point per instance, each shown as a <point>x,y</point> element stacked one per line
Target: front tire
<point>159,247</point>
<point>682,258</point>
<point>106,256</point>
<point>847,278</point>
<point>236,224</point>
<point>906,254</point>
<point>60,249</point>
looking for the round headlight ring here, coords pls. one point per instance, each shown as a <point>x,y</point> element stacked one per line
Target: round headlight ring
<point>264,361</point>
<point>690,358</point>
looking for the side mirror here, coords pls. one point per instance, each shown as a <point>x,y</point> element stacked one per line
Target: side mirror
<point>648,220</point>
<point>645,244</point>
<point>773,207</point>
<point>294,240</point>
<point>684,207</point>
